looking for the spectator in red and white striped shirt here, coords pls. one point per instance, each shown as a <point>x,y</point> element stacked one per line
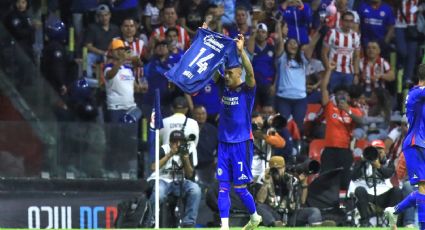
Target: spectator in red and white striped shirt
<point>169,20</point>
<point>342,7</point>
<point>342,46</point>
<point>406,11</point>
<point>374,70</point>
<point>137,46</point>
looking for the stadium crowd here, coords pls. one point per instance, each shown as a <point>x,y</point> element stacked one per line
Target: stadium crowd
<point>331,79</point>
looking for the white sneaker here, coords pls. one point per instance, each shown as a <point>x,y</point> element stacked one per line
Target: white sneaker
<point>392,218</point>
<point>253,222</point>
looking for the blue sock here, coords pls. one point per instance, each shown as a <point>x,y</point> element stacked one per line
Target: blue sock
<point>408,202</point>
<point>224,199</point>
<point>247,199</point>
<point>420,204</point>
<point>421,225</point>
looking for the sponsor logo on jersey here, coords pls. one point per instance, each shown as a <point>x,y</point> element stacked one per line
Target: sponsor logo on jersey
<point>211,42</point>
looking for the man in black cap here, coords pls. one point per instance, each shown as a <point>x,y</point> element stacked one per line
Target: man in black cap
<point>176,169</point>
<point>98,37</point>
<point>180,121</point>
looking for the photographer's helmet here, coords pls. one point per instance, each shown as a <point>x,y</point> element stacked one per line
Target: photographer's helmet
<point>55,29</point>
<point>176,135</point>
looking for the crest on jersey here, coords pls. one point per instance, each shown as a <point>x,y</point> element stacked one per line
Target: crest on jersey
<point>208,88</point>
<point>219,171</point>
<point>382,13</point>
<point>270,53</point>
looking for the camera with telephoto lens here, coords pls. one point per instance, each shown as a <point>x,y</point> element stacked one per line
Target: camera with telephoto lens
<point>184,146</point>
<point>370,153</point>
<point>307,167</point>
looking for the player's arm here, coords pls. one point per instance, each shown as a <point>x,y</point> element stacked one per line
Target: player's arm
<point>189,101</point>
<point>246,63</point>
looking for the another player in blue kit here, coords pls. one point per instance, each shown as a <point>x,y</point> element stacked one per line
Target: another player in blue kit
<point>235,149</point>
<point>414,148</point>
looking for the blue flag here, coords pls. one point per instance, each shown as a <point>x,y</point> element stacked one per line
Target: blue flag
<point>208,52</point>
<point>155,123</point>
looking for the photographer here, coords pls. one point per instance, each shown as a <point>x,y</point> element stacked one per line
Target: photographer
<point>266,141</point>
<point>371,181</point>
<point>180,121</point>
<point>176,170</point>
<point>279,197</point>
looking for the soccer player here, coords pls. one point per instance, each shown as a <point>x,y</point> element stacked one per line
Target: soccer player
<point>235,148</point>
<point>414,148</point>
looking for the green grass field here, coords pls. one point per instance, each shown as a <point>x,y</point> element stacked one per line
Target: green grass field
<point>260,228</point>
<point>288,228</point>
<point>300,228</point>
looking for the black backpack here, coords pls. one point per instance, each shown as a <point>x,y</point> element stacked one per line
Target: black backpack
<point>134,213</point>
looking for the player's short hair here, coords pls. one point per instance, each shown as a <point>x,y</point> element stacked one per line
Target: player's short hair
<point>421,72</point>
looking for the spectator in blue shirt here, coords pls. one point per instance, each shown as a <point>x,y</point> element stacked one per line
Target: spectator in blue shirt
<point>208,98</point>
<point>154,73</point>
<point>376,23</point>
<point>124,9</point>
<point>298,16</point>
<point>263,62</point>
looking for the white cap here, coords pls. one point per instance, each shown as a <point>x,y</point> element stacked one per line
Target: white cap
<point>262,26</point>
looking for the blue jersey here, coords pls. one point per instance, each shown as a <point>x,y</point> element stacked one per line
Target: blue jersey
<point>208,52</point>
<point>415,112</point>
<point>209,98</point>
<point>374,21</point>
<point>264,65</point>
<point>298,21</point>
<point>235,114</point>
<point>154,72</point>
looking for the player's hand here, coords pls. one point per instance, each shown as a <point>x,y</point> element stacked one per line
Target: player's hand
<point>240,41</point>
<point>205,25</point>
